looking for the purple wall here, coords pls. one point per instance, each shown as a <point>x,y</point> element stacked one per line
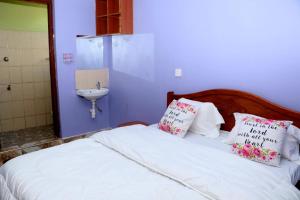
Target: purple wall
<point>74,17</point>
<point>247,45</point>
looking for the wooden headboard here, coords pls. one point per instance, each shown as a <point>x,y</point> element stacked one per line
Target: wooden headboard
<point>231,101</point>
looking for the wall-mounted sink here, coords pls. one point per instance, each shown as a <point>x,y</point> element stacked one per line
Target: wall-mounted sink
<point>92,95</point>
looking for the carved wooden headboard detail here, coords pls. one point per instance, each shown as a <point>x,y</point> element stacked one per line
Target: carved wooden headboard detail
<point>230,101</point>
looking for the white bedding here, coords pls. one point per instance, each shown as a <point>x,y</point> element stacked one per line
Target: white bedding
<point>85,170</point>
<point>290,170</point>
<point>95,169</point>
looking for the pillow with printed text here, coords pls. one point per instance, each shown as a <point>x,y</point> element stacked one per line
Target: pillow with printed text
<point>290,149</point>
<point>259,139</point>
<point>178,118</point>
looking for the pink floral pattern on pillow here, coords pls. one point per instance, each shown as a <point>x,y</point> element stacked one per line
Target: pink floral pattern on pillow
<point>259,139</point>
<point>178,118</point>
<point>264,121</point>
<point>169,129</point>
<point>186,106</point>
<point>254,153</point>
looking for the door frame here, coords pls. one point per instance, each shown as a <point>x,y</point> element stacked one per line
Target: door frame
<point>54,86</point>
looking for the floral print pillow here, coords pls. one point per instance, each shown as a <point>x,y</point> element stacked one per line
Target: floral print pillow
<point>260,139</point>
<point>178,118</point>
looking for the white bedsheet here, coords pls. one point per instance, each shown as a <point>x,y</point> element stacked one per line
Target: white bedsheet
<point>212,173</point>
<point>86,169</point>
<point>290,170</point>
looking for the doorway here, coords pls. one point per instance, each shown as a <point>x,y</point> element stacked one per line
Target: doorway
<point>28,86</point>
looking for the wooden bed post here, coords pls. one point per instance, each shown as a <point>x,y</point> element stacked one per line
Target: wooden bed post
<point>170,97</point>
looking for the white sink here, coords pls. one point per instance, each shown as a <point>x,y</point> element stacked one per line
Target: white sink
<point>92,94</point>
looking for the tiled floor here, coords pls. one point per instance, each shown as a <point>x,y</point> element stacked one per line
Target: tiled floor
<point>13,144</point>
<point>25,136</point>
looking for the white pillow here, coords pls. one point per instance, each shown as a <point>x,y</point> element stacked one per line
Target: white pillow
<point>294,132</point>
<point>290,148</point>
<point>230,139</point>
<point>178,118</point>
<point>291,144</point>
<point>208,120</point>
<point>260,139</point>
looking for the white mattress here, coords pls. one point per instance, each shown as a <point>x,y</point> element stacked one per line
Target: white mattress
<point>84,170</point>
<point>289,168</point>
<point>213,173</point>
<point>99,168</point>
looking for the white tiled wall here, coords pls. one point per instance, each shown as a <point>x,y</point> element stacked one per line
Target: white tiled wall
<point>28,104</point>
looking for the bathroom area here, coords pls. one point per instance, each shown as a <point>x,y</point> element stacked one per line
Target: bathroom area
<point>26,116</point>
<point>29,111</point>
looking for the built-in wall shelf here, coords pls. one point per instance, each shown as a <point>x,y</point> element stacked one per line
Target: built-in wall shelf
<point>114,17</point>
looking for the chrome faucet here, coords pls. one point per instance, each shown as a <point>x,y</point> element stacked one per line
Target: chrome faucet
<point>98,85</point>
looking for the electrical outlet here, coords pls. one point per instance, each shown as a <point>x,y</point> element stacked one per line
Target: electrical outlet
<point>178,72</point>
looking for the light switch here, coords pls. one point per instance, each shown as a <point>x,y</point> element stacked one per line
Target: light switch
<point>178,72</point>
<point>68,58</point>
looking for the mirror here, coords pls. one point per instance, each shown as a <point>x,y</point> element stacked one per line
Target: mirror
<point>89,52</point>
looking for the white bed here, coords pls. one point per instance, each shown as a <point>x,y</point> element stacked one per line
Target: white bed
<point>290,170</point>
<point>139,162</point>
